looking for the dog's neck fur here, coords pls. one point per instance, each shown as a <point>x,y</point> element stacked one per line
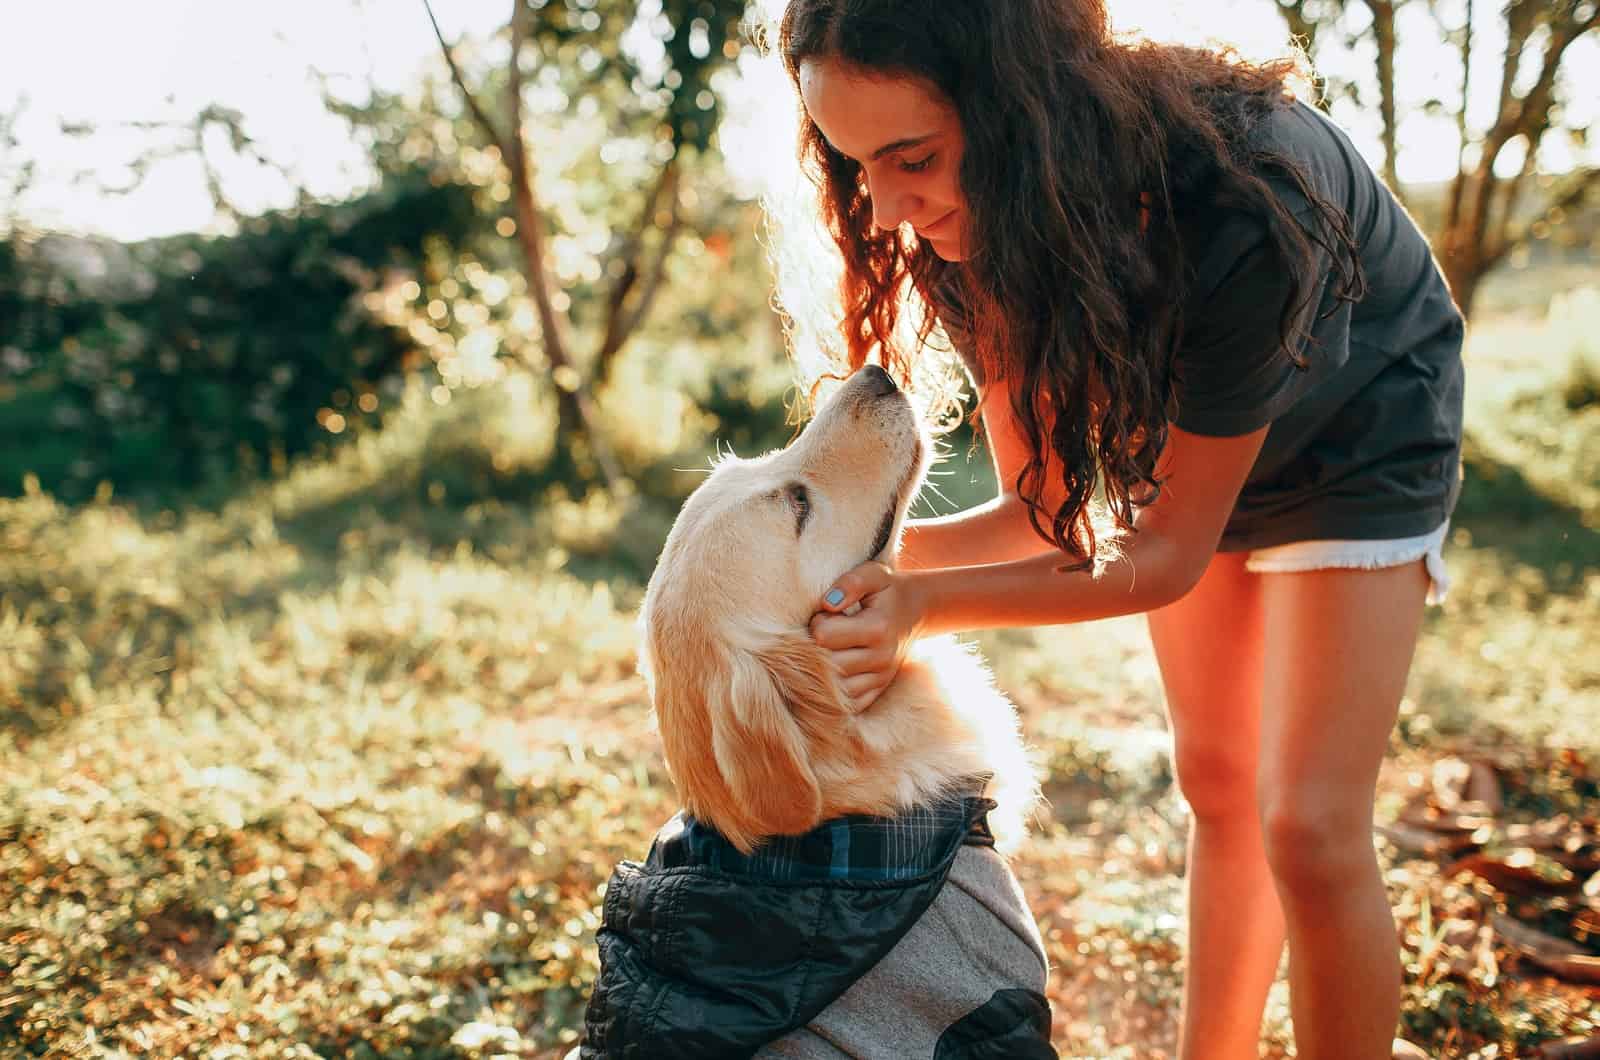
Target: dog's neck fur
<point>940,723</point>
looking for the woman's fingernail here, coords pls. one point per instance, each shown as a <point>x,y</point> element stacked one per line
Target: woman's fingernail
<point>834,598</point>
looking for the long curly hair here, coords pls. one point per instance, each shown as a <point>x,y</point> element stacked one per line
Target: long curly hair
<point>1083,154</point>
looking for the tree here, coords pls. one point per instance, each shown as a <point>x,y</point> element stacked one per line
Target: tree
<point>1306,18</point>
<point>1485,216</point>
<point>654,63</point>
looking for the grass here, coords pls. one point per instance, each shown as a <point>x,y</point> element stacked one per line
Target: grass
<point>340,768</point>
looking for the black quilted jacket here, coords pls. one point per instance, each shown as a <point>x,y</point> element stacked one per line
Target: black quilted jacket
<point>707,953</point>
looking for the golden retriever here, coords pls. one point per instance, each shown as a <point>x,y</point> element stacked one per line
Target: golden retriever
<point>758,737</point>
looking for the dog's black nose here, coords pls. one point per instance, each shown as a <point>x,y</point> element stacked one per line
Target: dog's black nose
<point>879,383</point>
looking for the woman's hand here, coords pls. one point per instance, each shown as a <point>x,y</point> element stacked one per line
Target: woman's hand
<point>867,620</point>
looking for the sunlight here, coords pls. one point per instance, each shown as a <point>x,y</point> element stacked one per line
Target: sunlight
<point>166,59</point>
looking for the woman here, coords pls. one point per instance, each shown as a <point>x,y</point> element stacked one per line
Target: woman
<point>1174,284</point>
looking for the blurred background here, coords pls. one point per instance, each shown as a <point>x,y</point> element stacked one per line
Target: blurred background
<point>354,360</point>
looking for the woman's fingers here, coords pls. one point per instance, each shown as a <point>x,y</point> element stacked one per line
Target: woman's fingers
<point>855,585</point>
<point>863,647</point>
<point>864,689</point>
<point>842,632</point>
<point>862,661</point>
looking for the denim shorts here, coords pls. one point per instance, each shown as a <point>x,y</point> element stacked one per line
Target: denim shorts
<point>1362,555</point>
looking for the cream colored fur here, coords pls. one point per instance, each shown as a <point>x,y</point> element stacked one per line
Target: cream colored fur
<point>758,737</point>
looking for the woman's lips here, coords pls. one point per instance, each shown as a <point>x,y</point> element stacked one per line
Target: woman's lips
<point>931,231</point>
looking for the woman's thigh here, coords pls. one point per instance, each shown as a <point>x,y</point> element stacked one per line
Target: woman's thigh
<point>1337,651</point>
<point>1209,649</point>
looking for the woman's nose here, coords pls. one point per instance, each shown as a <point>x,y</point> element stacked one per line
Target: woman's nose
<point>892,204</point>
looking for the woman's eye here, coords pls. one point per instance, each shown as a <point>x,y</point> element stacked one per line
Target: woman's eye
<point>917,166</point>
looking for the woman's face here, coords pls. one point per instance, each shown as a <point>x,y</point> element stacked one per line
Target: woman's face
<point>906,137</point>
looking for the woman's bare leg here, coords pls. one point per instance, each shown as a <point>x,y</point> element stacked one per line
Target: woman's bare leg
<point>1209,646</point>
<point>1338,647</point>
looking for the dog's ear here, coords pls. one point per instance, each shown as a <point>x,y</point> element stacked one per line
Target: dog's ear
<point>739,724</point>
<point>761,751</point>
<point>808,683</point>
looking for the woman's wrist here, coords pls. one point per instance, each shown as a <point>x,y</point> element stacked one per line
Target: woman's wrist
<point>921,592</point>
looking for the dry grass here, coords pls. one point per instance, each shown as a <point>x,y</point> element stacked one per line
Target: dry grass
<point>341,769</point>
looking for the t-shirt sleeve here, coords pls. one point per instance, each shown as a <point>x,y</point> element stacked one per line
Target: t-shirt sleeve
<point>1230,374</point>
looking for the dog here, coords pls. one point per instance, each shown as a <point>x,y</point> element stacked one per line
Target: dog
<point>802,946</point>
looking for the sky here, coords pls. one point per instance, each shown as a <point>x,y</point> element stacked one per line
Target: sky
<point>109,62</point>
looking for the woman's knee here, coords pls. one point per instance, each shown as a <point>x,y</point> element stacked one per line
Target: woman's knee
<point>1317,843</point>
<point>1218,781</point>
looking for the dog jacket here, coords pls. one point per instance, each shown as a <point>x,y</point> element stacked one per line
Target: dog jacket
<point>865,938</point>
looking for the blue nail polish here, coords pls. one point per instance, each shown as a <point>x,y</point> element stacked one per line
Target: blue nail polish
<point>834,598</point>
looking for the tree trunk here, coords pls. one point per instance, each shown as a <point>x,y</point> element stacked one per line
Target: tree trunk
<point>1383,30</point>
<point>1463,270</point>
<point>1304,29</point>
<point>576,415</point>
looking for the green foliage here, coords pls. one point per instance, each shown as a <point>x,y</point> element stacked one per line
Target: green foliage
<point>212,356</point>
<point>614,91</point>
<point>670,67</point>
<point>1449,1009</point>
<point>214,360</point>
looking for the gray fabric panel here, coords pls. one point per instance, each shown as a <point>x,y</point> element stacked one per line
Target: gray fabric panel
<point>976,938</point>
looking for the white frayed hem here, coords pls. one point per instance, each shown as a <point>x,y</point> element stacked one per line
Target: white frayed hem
<point>1359,555</point>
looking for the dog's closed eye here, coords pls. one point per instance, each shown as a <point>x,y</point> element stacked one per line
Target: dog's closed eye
<point>800,501</point>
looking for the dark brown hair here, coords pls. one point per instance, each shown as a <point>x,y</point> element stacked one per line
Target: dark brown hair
<point>1082,154</point>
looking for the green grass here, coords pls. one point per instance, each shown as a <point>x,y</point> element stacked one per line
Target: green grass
<point>340,767</point>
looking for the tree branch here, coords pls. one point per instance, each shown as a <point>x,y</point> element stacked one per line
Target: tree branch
<point>1519,25</point>
<point>1528,115</point>
<point>1304,30</point>
<point>1457,182</point>
<point>471,100</point>
<point>620,324</point>
<point>641,305</point>
<point>530,226</point>
<point>658,268</point>
<point>530,235</point>
<point>1497,241</point>
<point>1581,183</point>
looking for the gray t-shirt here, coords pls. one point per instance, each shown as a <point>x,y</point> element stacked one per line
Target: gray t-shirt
<point>1365,443</point>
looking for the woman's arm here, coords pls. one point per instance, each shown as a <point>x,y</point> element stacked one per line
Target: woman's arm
<point>996,531</point>
<point>1175,540</point>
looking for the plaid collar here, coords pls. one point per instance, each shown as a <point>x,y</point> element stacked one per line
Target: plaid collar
<point>855,848</point>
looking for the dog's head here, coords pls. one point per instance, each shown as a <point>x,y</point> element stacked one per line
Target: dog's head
<point>744,698</point>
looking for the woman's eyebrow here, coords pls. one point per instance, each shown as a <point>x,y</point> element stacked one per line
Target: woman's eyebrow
<point>889,148</point>
<point>901,145</point>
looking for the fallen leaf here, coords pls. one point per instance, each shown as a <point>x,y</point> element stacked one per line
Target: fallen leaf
<point>1586,925</point>
<point>1541,835</point>
<point>1554,955</point>
<point>1571,1049</point>
<point>1415,840</point>
<point>1424,812</point>
<point>1521,872</point>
